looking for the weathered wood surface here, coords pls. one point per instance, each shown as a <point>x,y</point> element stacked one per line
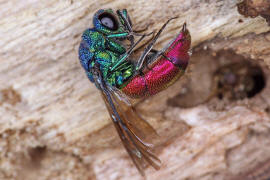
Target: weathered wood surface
<point>54,124</point>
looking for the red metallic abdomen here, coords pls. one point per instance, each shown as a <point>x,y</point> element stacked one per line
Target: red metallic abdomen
<point>164,71</point>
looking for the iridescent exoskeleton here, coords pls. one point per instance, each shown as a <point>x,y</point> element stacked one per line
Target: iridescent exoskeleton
<point>107,62</point>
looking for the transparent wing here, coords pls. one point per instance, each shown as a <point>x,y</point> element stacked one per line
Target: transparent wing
<point>133,131</point>
<point>141,128</point>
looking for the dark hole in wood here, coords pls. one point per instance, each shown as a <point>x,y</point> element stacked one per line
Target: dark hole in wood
<point>37,154</point>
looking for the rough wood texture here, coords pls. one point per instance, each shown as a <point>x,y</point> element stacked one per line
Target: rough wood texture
<point>54,124</point>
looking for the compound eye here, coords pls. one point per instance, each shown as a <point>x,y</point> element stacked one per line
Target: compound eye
<point>108,21</point>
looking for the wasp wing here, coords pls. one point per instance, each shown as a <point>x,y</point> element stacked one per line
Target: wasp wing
<point>141,128</point>
<point>136,123</point>
<point>130,133</point>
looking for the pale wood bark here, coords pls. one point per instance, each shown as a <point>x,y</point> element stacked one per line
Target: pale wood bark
<point>54,124</point>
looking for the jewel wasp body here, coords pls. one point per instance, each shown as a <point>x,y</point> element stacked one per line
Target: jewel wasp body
<point>106,59</point>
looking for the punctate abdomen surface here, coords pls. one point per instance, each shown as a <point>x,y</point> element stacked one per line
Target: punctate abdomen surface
<point>164,71</point>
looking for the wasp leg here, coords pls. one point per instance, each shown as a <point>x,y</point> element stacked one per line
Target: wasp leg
<point>148,59</point>
<point>127,22</point>
<point>141,30</point>
<point>128,53</point>
<point>144,44</point>
<point>158,53</point>
<point>150,46</point>
<point>124,15</point>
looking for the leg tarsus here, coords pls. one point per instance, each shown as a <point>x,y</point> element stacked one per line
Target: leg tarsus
<point>141,30</point>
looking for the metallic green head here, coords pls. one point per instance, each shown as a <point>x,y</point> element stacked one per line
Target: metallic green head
<point>109,22</point>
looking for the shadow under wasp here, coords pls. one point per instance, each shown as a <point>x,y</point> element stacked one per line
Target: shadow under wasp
<point>108,63</point>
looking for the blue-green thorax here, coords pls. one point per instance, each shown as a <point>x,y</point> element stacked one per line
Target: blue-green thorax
<point>101,45</point>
